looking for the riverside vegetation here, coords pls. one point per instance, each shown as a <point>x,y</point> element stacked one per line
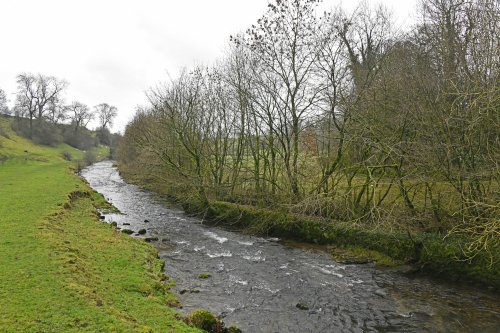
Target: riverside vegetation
<point>336,129</point>
<point>62,269</point>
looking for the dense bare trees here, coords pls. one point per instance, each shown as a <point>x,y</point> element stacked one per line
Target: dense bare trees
<point>42,115</point>
<point>36,93</point>
<point>337,116</point>
<point>461,39</point>
<point>285,48</point>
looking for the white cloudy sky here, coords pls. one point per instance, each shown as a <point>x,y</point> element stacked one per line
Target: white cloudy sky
<point>112,51</point>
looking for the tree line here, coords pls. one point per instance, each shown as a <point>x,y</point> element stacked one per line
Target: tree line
<point>42,114</point>
<point>339,116</point>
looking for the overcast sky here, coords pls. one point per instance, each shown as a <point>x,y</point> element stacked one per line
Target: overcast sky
<point>112,51</point>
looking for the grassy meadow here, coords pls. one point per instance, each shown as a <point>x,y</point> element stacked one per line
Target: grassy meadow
<point>61,269</point>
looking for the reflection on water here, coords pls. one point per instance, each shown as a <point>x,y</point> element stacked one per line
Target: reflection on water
<point>258,283</point>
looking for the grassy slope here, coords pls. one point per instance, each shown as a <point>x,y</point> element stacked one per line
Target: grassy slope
<point>60,268</point>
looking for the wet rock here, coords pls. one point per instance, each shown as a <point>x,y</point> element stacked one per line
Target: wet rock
<point>146,221</point>
<point>128,231</point>
<point>151,239</point>
<point>102,217</point>
<point>142,232</point>
<point>191,291</point>
<point>301,306</point>
<point>380,292</point>
<point>126,223</point>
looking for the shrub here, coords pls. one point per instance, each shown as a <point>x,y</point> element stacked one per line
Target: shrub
<point>67,155</point>
<point>43,133</point>
<point>82,139</point>
<point>47,134</point>
<point>202,319</point>
<point>90,157</point>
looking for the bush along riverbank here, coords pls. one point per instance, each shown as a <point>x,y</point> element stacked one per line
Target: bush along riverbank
<point>62,270</point>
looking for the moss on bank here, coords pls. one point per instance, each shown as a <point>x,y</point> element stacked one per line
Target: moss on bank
<point>430,253</point>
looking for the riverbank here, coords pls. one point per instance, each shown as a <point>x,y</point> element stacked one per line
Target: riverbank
<point>62,269</point>
<point>427,253</point>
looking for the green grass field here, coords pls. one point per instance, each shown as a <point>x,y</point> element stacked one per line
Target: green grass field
<point>61,270</point>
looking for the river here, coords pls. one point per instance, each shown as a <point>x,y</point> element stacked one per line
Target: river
<point>265,285</point>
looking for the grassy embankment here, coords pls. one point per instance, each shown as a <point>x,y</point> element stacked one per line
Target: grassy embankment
<point>62,270</point>
<point>428,252</point>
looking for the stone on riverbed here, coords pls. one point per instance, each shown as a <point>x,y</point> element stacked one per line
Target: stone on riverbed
<point>302,306</point>
<point>191,291</point>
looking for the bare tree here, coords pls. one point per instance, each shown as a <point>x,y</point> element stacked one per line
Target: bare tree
<point>333,71</point>
<point>285,45</point>
<point>80,115</point>
<point>106,114</point>
<point>36,93</point>
<point>56,111</point>
<point>461,41</point>
<point>4,108</point>
<point>182,128</point>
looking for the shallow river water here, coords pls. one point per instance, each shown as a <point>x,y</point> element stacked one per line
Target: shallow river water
<point>256,283</point>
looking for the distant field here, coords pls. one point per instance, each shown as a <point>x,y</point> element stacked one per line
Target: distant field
<point>61,270</point>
